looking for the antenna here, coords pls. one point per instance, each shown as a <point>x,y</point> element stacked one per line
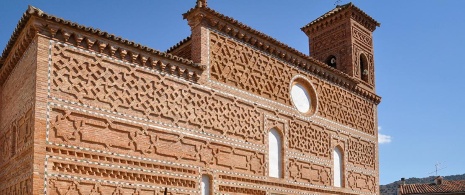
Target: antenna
<point>337,2</point>
<point>438,168</point>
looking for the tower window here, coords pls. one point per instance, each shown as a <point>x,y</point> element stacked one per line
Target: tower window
<point>338,168</point>
<point>364,68</point>
<point>275,154</point>
<point>331,61</point>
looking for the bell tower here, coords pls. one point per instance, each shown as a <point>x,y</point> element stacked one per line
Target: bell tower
<point>343,39</point>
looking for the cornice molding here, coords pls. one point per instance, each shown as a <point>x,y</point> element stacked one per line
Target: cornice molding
<point>15,50</point>
<point>36,21</point>
<point>236,30</point>
<point>340,13</point>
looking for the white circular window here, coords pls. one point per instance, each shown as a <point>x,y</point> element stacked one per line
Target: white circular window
<point>300,97</point>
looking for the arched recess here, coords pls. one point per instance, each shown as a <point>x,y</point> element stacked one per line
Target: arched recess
<point>364,67</point>
<point>275,154</point>
<point>338,166</point>
<point>331,61</point>
<point>205,185</point>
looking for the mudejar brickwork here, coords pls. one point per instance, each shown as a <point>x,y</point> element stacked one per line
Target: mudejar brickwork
<point>228,110</point>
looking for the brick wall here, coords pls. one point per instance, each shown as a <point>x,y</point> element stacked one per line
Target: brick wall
<point>84,114</point>
<point>16,125</point>
<point>263,80</point>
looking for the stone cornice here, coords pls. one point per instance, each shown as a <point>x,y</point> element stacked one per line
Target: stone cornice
<point>233,28</point>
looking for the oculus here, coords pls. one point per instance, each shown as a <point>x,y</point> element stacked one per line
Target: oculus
<point>300,97</point>
<point>303,96</point>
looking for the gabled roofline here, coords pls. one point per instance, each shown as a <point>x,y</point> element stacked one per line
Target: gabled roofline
<point>278,49</point>
<point>265,37</point>
<point>35,12</point>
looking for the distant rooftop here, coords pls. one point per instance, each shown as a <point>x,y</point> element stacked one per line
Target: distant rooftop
<point>447,187</point>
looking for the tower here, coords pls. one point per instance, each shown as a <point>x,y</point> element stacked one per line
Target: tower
<point>343,39</point>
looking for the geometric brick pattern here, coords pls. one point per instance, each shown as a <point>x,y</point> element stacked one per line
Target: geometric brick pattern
<point>361,153</point>
<point>244,67</point>
<point>309,139</point>
<point>86,112</point>
<point>104,84</point>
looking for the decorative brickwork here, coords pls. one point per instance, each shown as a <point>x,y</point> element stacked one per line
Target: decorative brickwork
<point>362,37</point>
<point>65,186</point>
<point>361,182</point>
<point>309,138</point>
<point>85,112</point>
<point>112,174</point>
<point>362,153</point>
<point>17,124</point>
<point>20,188</point>
<point>309,173</point>
<point>79,129</point>
<point>345,32</point>
<point>85,155</point>
<point>344,107</point>
<point>237,190</point>
<point>18,135</point>
<point>106,84</point>
<point>244,67</point>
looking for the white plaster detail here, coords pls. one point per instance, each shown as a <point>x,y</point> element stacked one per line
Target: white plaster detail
<point>337,158</point>
<point>275,159</point>
<point>301,98</point>
<point>205,185</point>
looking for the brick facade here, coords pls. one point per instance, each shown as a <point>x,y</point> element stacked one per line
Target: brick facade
<point>84,112</point>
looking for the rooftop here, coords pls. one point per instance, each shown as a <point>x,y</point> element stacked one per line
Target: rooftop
<point>445,187</point>
<point>341,8</point>
<point>33,11</point>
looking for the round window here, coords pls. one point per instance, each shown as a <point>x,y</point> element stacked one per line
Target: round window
<point>300,97</point>
<point>303,96</point>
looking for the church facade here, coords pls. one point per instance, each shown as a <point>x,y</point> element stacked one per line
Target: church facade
<point>228,110</point>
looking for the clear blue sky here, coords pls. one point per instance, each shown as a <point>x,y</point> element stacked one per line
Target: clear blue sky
<point>418,51</point>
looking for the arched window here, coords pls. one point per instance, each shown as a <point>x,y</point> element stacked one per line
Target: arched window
<point>331,61</point>
<point>205,185</point>
<point>275,159</point>
<point>363,67</point>
<point>338,168</point>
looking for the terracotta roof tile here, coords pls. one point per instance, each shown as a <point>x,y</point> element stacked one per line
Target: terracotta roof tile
<point>281,46</point>
<point>179,44</point>
<point>33,11</point>
<point>445,187</point>
<point>267,38</point>
<point>338,9</point>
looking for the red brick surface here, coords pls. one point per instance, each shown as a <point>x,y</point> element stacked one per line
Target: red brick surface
<point>87,114</point>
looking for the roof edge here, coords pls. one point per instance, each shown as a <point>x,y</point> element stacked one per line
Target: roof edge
<point>339,9</point>
<point>270,45</point>
<point>178,45</point>
<point>36,12</point>
<point>15,35</point>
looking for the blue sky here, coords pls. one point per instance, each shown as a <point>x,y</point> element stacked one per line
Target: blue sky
<point>418,50</point>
